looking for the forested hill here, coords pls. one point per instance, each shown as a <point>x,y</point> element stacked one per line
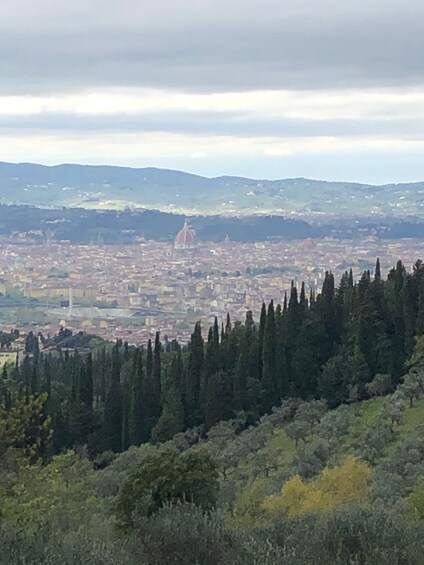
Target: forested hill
<point>116,187</point>
<point>295,439</point>
<point>128,226</point>
<point>330,346</point>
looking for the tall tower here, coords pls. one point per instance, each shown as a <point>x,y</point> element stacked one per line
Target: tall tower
<point>71,302</point>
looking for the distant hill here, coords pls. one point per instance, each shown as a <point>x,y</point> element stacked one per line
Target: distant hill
<point>81,225</point>
<point>113,226</point>
<point>107,187</point>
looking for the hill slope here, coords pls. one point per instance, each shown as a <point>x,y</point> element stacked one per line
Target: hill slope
<point>116,187</point>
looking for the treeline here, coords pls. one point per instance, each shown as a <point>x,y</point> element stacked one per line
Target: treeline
<point>123,227</point>
<point>329,345</point>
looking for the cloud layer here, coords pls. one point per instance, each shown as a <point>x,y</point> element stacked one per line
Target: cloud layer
<point>226,83</point>
<point>202,45</point>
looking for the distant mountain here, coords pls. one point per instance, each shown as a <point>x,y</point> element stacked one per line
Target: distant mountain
<point>107,187</point>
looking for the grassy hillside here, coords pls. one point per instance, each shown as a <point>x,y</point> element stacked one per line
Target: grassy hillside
<point>362,417</point>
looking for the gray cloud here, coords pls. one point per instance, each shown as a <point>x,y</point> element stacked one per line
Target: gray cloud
<point>200,45</point>
<point>217,123</point>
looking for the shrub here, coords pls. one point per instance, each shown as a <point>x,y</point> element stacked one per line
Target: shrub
<point>167,476</point>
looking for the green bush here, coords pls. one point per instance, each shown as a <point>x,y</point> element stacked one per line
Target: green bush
<point>167,476</point>
<point>351,535</point>
<point>20,547</point>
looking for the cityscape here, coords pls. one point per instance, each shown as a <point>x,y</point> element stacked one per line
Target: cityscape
<point>132,291</point>
<point>212,282</point>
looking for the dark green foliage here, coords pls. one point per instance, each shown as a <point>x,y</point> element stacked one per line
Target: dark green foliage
<point>270,388</point>
<point>193,377</point>
<point>113,408</point>
<point>213,352</point>
<point>167,477</point>
<point>113,417</point>
<point>331,346</point>
<point>172,418</point>
<point>262,322</point>
<point>31,345</point>
<point>137,425</point>
<point>149,362</point>
<point>219,399</point>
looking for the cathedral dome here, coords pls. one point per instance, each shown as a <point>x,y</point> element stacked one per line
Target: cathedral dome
<point>185,239</point>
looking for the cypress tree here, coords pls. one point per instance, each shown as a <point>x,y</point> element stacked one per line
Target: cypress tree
<point>213,354</point>
<point>137,426</point>
<point>230,345</point>
<point>419,274</point>
<point>262,322</point>
<point>126,351</point>
<point>377,271</point>
<point>157,376</point>
<point>228,325</point>
<point>280,354</point>
<point>328,312</point>
<point>193,376</point>
<point>85,383</point>
<point>80,410</point>
<point>302,299</point>
<point>172,418</point>
<point>285,306</point>
<point>219,399</point>
<point>26,374</point>
<point>47,378</point>
<point>90,383</point>
<point>102,388</point>
<point>113,406</point>
<point>270,388</point>
<point>149,361</point>
<point>116,363</point>
<point>113,417</point>
<point>246,384</point>
<point>216,331</point>
<point>34,381</point>
<point>393,292</point>
<point>294,322</point>
<point>410,308</point>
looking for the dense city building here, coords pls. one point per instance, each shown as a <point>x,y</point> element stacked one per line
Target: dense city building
<point>131,291</point>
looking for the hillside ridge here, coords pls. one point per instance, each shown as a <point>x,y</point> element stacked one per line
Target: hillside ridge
<point>116,187</point>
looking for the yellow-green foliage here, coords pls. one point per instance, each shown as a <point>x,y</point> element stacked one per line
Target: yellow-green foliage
<point>346,483</point>
<point>248,509</point>
<point>416,499</point>
<point>61,494</point>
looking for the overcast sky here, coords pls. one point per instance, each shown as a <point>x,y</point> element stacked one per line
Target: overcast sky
<point>328,89</point>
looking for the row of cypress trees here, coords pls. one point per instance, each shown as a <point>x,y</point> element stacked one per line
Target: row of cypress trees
<point>327,345</point>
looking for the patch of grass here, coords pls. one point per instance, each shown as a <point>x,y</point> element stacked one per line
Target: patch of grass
<point>371,410</point>
<point>284,445</point>
<point>280,440</point>
<point>366,413</point>
<point>412,417</point>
